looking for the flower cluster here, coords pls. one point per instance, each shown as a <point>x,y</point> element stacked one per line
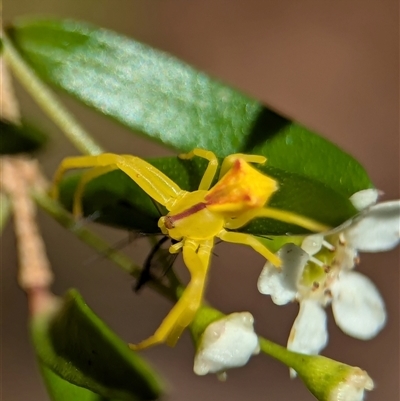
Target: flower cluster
<point>317,271</point>
<point>321,272</point>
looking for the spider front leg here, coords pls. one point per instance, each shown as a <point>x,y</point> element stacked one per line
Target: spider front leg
<point>155,183</point>
<point>197,260</point>
<point>211,169</point>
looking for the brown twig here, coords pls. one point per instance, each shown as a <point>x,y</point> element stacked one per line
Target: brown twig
<point>18,175</point>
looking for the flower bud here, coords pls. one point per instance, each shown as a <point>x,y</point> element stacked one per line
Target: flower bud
<point>330,380</point>
<point>227,342</point>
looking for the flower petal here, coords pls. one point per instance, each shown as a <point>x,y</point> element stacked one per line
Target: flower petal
<point>376,230</point>
<point>353,386</point>
<point>357,306</point>
<point>309,334</point>
<point>365,198</point>
<point>226,343</point>
<point>282,283</point>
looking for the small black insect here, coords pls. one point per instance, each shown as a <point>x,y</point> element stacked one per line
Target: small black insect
<point>158,257</point>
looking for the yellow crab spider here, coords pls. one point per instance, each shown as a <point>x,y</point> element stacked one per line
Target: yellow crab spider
<point>195,218</point>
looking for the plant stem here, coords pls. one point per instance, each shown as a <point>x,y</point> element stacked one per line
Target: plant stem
<point>278,352</point>
<point>63,217</point>
<point>48,102</point>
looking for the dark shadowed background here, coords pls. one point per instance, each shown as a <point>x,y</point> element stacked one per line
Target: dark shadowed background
<point>333,66</point>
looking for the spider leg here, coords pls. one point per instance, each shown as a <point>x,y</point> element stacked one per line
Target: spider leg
<point>250,240</point>
<point>155,183</point>
<point>211,169</point>
<point>86,177</point>
<point>197,260</point>
<point>276,214</point>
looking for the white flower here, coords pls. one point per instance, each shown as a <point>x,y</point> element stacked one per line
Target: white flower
<point>320,272</point>
<point>353,387</point>
<point>226,343</point>
<point>365,198</point>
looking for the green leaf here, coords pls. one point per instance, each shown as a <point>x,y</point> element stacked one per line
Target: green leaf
<point>23,138</point>
<point>165,99</point>
<point>76,345</point>
<point>118,201</point>
<point>62,390</point>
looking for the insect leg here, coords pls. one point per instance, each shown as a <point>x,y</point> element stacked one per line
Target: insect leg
<point>145,274</point>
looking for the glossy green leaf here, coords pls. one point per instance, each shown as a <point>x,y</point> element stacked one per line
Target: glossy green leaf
<point>23,138</point>
<point>165,99</point>
<point>118,201</point>
<point>76,345</point>
<point>62,390</point>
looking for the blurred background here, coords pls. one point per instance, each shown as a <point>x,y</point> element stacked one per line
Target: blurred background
<point>333,66</point>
